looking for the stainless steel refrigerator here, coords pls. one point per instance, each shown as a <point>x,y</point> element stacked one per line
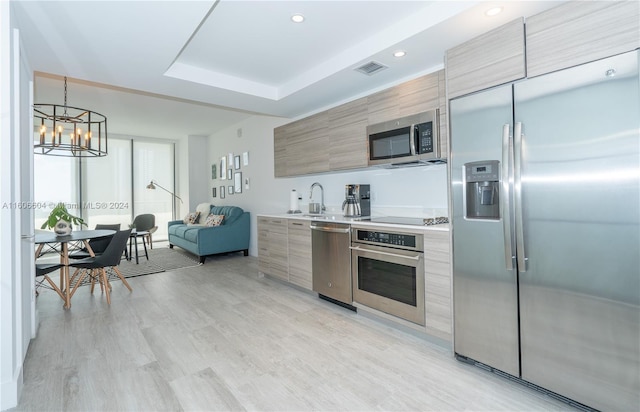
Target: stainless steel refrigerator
<point>545,177</point>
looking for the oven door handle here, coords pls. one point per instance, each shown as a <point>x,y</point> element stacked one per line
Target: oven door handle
<point>358,248</point>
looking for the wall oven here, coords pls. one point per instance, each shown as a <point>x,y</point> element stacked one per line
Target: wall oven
<point>388,272</point>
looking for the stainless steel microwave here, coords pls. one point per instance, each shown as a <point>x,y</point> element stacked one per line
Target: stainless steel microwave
<point>411,140</point>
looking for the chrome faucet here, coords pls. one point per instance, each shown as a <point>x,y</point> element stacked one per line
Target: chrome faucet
<point>322,207</point>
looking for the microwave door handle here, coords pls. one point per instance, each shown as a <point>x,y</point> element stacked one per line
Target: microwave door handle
<point>413,136</point>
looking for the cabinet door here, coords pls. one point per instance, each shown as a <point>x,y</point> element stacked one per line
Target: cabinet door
<point>280,137</point>
<point>307,150</point>
<point>494,58</point>
<point>278,251</point>
<point>418,95</point>
<point>579,32</point>
<point>299,240</point>
<point>348,147</point>
<point>263,245</point>
<point>444,118</point>
<point>272,246</point>
<point>383,106</point>
<point>437,284</point>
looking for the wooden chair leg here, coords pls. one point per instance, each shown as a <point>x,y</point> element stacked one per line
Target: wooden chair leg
<point>54,286</point>
<point>122,278</point>
<point>93,280</point>
<point>100,279</point>
<point>106,285</point>
<point>83,273</point>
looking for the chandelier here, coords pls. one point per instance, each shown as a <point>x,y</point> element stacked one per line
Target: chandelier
<point>69,131</point>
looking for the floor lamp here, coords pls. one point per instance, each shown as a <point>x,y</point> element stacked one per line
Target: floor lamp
<point>152,185</point>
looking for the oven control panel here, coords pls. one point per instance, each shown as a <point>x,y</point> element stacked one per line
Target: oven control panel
<point>393,239</point>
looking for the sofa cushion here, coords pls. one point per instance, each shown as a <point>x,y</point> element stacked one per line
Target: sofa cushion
<point>191,217</point>
<point>178,230</point>
<point>231,213</point>
<point>214,220</point>
<point>191,234</point>
<point>204,209</point>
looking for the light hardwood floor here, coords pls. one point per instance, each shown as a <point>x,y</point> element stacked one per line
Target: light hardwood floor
<point>218,337</point>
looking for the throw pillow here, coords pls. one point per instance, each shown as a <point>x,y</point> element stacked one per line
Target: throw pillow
<point>191,217</point>
<point>204,209</point>
<point>214,220</point>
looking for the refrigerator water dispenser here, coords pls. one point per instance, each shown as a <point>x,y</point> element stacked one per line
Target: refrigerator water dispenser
<point>482,189</point>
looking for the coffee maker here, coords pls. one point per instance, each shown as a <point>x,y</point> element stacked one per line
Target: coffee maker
<point>357,202</point>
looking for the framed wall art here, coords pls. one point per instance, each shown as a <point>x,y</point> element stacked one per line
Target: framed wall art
<point>245,159</point>
<point>223,168</point>
<point>221,192</point>
<point>236,162</point>
<point>213,192</point>
<point>230,190</point>
<point>229,173</point>
<point>214,172</point>
<point>237,182</point>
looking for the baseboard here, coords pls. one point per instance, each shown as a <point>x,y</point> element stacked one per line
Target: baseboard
<point>10,391</point>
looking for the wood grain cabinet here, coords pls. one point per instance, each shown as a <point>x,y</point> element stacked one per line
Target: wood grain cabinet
<point>418,95</point>
<point>307,150</point>
<point>348,136</point>
<point>494,58</point>
<point>273,254</point>
<point>280,136</point>
<point>578,32</point>
<point>336,139</point>
<point>383,106</point>
<point>438,312</point>
<point>299,242</point>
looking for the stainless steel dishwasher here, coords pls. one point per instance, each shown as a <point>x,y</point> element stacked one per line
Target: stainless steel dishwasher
<point>331,261</point>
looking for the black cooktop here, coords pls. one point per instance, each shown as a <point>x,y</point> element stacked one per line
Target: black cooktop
<point>412,221</point>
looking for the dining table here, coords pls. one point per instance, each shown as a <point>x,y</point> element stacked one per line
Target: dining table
<point>61,245</point>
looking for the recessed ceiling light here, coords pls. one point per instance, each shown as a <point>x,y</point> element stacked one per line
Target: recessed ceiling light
<point>297,18</point>
<point>493,11</point>
<point>399,53</point>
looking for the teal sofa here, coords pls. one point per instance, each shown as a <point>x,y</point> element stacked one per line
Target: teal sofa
<point>231,236</point>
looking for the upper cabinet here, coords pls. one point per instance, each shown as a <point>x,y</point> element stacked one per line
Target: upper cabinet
<point>579,32</point>
<point>494,58</point>
<point>348,136</point>
<point>570,34</point>
<point>336,139</point>
<point>307,151</point>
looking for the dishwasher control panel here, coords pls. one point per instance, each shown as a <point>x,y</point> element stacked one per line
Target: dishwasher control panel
<point>392,239</point>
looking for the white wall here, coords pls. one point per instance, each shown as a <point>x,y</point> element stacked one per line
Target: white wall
<point>416,191</point>
<point>198,158</point>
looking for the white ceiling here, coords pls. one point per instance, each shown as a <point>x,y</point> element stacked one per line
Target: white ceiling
<point>175,68</point>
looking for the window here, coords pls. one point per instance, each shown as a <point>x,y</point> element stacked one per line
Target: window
<point>55,180</point>
<point>154,161</point>
<point>110,189</point>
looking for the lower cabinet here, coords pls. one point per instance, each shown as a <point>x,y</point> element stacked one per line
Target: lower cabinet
<point>437,279</point>
<point>273,256</point>
<point>284,250</point>
<point>300,253</point>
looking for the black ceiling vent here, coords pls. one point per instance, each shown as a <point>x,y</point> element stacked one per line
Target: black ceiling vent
<point>371,68</point>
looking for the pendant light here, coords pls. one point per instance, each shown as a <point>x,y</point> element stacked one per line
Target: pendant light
<point>62,130</point>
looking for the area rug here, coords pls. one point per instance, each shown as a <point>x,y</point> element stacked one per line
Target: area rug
<point>160,260</point>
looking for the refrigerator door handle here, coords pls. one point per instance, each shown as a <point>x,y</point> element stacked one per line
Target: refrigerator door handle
<point>505,204</point>
<point>517,192</point>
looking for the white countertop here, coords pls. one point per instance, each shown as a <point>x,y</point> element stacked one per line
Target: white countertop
<point>337,218</point>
